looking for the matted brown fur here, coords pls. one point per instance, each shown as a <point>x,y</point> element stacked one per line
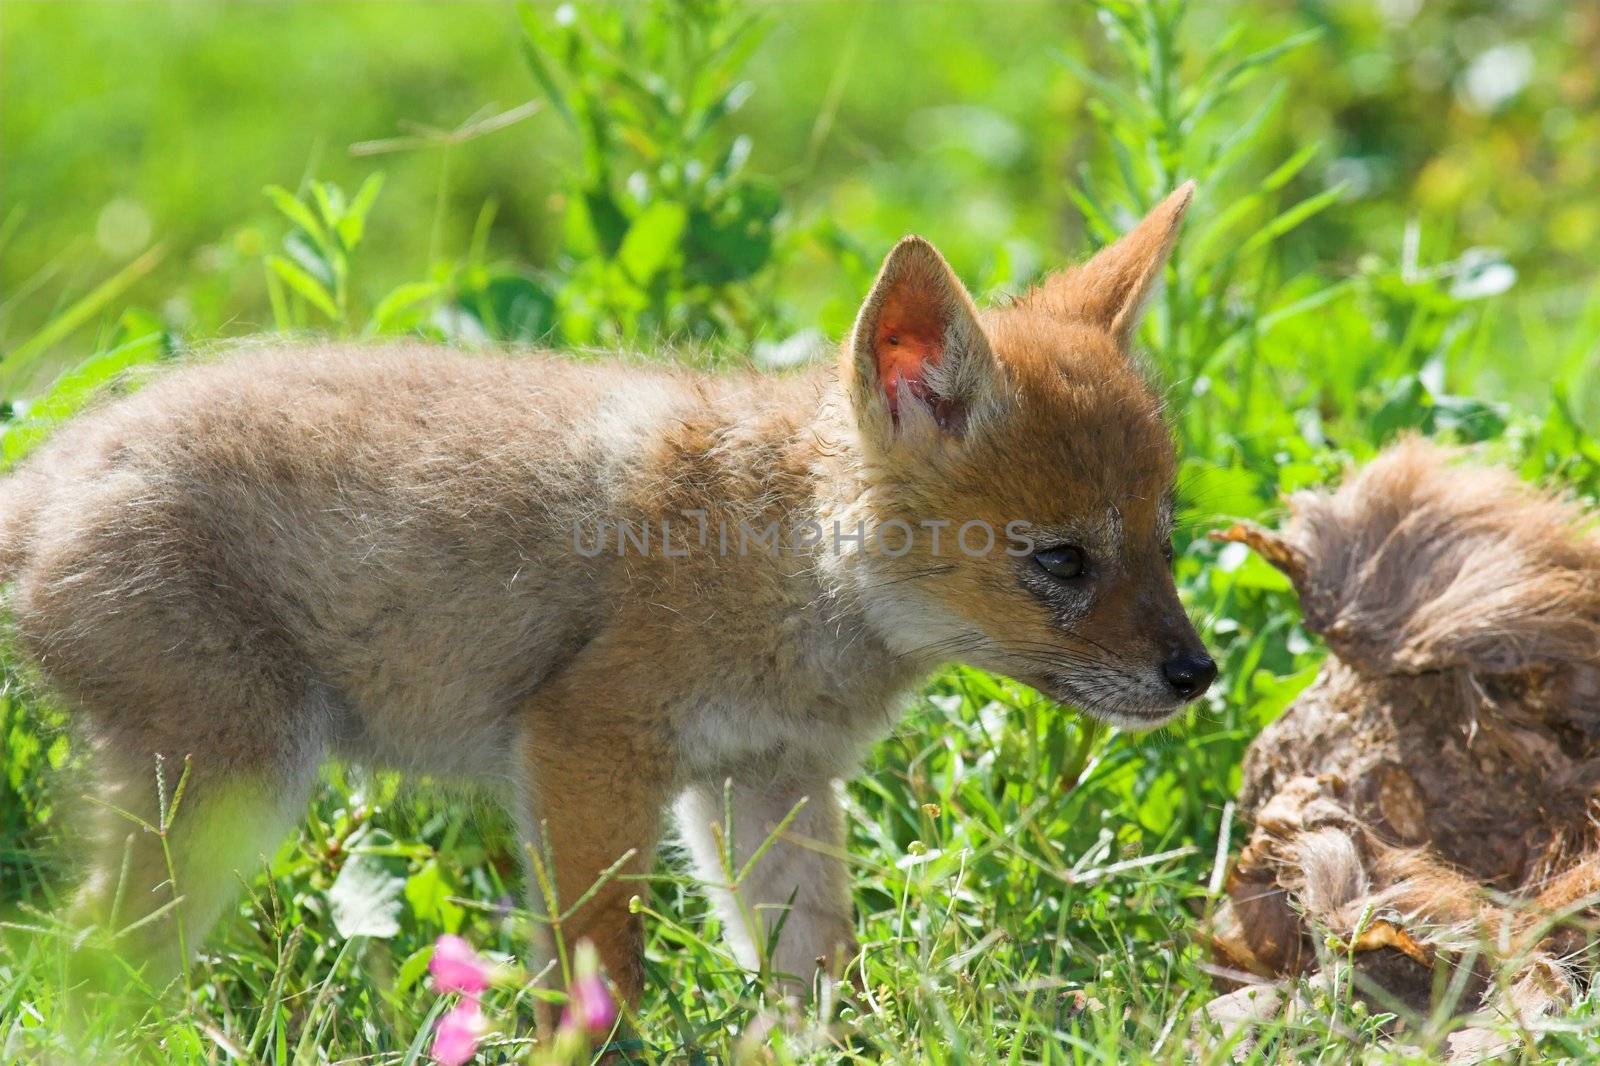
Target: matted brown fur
<point>381,553</point>
<point>1450,747</point>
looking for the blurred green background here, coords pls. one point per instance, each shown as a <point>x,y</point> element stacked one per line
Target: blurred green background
<point>127,124</point>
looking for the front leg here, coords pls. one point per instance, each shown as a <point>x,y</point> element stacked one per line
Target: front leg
<point>791,910</point>
<point>591,803</point>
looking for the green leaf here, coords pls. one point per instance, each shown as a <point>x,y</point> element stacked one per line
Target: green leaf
<point>1256,573</point>
<point>1474,420</point>
<point>412,969</point>
<point>1291,218</point>
<point>725,105</point>
<point>297,212</point>
<point>1286,170</point>
<point>652,239</point>
<point>532,52</point>
<point>303,283</point>
<point>734,243</point>
<point>60,326</point>
<point>1274,693</point>
<point>138,323</point>
<point>1237,143</point>
<point>1407,405</point>
<point>733,159</point>
<point>1214,229</point>
<point>1104,89</point>
<point>1210,492</point>
<point>353,225</point>
<point>401,308</point>
<point>419,1043</point>
<point>1222,85</point>
<point>594,226</point>
<point>736,48</point>
<point>364,899</point>
<point>330,201</point>
<point>515,308</point>
<point>428,891</point>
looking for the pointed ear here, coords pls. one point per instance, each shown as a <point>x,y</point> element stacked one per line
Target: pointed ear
<point>918,362</point>
<point>1110,290</point>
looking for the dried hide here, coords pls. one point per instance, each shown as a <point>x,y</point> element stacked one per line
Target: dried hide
<point>1427,803</point>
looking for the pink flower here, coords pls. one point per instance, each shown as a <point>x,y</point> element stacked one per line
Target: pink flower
<point>455,1038</point>
<point>589,1006</point>
<point>589,1003</point>
<point>456,967</point>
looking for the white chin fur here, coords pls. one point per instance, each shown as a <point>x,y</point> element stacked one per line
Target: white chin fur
<point>1123,703</point>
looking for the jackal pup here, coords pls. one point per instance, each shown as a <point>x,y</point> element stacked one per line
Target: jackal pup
<point>580,586</point>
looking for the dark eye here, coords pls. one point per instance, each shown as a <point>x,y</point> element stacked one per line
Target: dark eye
<point>1066,561</point>
<point>1168,553</point>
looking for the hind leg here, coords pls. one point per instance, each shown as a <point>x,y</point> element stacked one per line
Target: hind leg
<point>170,847</point>
<point>148,606</point>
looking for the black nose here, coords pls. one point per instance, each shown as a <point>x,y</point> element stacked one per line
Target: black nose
<point>1189,674</point>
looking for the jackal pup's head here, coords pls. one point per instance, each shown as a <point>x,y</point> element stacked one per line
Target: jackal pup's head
<point>1021,478</point>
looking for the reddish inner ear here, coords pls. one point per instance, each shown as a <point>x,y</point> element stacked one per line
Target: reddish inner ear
<point>909,339</point>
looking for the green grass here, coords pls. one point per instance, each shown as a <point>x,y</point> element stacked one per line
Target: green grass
<point>1029,886</point>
